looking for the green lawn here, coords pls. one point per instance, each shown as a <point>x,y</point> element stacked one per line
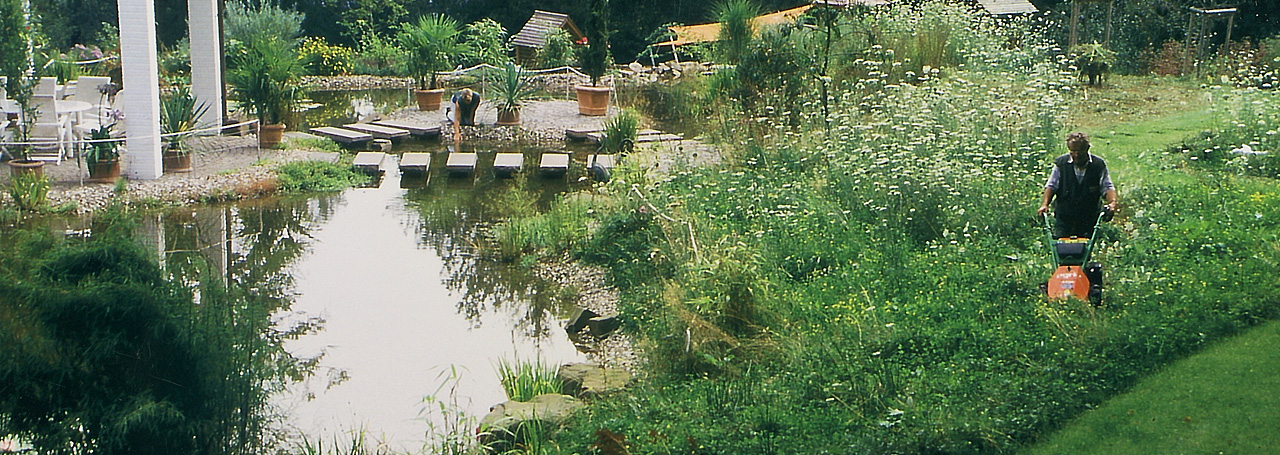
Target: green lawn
<point>1222,400</point>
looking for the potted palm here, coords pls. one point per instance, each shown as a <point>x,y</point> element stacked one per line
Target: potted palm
<point>512,89</point>
<point>266,81</point>
<point>179,116</point>
<point>594,99</point>
<point>432,42</point>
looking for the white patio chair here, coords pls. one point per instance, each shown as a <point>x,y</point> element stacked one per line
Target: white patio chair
<point>87,90</point>
<point>53,131</point>
<point>8,106</point>
<point>47,86</point>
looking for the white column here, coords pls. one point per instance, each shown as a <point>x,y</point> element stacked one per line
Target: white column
<point>206,58</point>
<point>142,87</point>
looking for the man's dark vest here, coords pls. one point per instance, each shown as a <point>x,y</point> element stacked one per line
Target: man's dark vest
<point>1079,200</point>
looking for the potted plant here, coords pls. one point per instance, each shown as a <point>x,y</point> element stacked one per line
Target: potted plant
<point>179,115</point>
<point>432,43</point>
<point>512,89</point>
<point>20,88</point>
<point>15,65</point>
<point>102,157</point>
<point>594,99</point>
<point>266,81</point>
<point>1094,60</point>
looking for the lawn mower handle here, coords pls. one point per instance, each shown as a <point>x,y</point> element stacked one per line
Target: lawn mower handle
<point>1104,215</point>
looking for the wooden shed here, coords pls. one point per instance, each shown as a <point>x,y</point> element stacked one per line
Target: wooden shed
<point>1002,7</point>
<point>533,36</point>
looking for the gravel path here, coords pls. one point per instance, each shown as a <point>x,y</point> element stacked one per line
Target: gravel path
<point>223,168</point>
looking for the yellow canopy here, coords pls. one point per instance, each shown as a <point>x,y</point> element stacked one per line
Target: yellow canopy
<point>701,33</point>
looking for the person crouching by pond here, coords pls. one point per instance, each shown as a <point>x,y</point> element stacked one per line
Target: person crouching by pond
<point>1079,181</point>
<point>465,103</point>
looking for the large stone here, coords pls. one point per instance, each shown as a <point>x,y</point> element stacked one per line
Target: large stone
<point>588,380</point>
<point>504,426</point>
<point>602,326</point>
<point>579,320</point>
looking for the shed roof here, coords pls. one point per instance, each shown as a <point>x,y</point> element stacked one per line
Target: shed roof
<point>998,7</point>
<point>848,3</point>
<point>534,33</point>
<point>701,33</point>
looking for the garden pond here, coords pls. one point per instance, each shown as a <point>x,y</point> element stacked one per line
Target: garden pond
<point>392,278</point>
<point>403,300</point>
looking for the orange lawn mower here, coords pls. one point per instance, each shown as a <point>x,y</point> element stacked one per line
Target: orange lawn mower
<point>1074,276</point>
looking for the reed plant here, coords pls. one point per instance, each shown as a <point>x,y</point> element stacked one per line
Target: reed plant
<point>620,132</point>
<point>30,192</point>
<point>450,431</point>
<point>523,380</point>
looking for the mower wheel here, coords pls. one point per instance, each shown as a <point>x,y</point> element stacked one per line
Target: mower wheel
<point>1095,295</point>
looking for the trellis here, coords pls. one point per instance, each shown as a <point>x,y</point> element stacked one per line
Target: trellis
<point>1073,40</point>
<point>1198,29</point>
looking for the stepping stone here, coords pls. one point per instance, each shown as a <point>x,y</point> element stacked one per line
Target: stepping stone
<point>657,138</point>
<point>370,162</point>
<point>606,161</point>
<point>554,163</point>
<point>579,133</point>
<point>415,162</point>
<point>508,163</point>
<point>416,129</point>
<point>461,162</point>
<point>378,132</point>
<point>342,135</point>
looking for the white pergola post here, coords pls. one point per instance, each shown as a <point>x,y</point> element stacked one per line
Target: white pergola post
<point>142,87</point>
<point>206,58</point>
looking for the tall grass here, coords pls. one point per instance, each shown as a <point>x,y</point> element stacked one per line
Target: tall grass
<point>863,273</point>
<point>523,380</point>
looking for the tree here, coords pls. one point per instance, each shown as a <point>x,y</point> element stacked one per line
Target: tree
<point>596,58</point>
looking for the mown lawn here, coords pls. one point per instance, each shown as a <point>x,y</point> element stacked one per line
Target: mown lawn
<point>1222,400</point>
<point>1225,399</point>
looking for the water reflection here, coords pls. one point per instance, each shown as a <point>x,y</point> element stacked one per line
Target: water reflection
<point>338,107</point>
<point>398,278</point>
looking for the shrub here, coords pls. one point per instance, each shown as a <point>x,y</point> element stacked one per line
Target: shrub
<point>323,59</point>
<point>558,51</point>
<point>380,57</point>
<point>309,176</point>
<point>487,40</point>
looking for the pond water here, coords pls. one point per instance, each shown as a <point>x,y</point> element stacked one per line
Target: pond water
<point>339,107</point>
<point>394,272</point>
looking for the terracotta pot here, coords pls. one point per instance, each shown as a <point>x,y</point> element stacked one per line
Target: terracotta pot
<point>429,100</point>
<point>177,161</point>
<point>32,167</point>
<point>270,136</point>
<point>508,118</point>
<point>104,171</point>
<point>593,100</point>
